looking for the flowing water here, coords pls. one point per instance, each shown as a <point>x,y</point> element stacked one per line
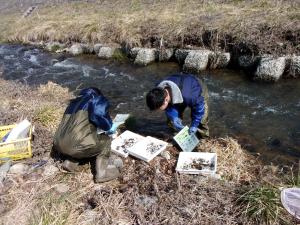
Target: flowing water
<point>263,117</point>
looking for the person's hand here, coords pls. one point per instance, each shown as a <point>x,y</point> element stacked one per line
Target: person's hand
<point>177,124</point>
<point>193,130</point>
<point>113,129</point>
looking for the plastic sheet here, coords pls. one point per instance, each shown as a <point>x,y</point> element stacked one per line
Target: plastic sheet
<point>290,199</point>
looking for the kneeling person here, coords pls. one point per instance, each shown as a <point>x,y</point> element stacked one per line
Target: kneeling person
<point>77,138</point>
<point>177,92</point>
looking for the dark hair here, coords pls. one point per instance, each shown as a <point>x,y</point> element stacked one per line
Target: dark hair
<point>155,98</point>
<point>96,90</point>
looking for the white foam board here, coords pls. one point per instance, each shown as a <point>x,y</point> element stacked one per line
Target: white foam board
<point>124,141</point>
<point>187,142</point>
<point>207,160</point>
<point>148,148</point>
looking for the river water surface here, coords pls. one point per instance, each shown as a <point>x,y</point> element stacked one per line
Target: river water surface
<point>265,118</point>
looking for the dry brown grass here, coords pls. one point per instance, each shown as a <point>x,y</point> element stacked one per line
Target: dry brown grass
<point>45,104</point>
<point>48,116</point>
<point>234,163</point>
<point>54,92</point>
<point>146,193</point>
<point>267,26</point>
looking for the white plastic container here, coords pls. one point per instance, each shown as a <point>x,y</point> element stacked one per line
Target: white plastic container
<point>187,142</point>
<point>147,148</point>
<point>20,131</point>
<point>204,163</point>
<point>126,140</point>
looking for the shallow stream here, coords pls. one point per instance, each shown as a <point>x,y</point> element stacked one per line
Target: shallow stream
<point>265,118</point>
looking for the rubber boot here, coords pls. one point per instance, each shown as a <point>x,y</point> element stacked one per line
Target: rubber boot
<point>70,165</point>
<point>105,172</point>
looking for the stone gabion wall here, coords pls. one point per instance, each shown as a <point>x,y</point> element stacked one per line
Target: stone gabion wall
<point>264,67</point>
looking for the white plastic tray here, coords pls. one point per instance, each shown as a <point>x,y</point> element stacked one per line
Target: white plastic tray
<point>186,141</point>
<point>119,146</point>
<point>186,159</point>
<point>147,148</point>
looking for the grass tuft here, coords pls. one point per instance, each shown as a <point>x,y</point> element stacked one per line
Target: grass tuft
<point>262,204</point>
<point>53,91</point>
<point>51,210</point>
<point>120,56</point>
<point>48,116</point>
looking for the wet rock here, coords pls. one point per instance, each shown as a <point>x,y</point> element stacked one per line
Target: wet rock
<point>145,56</point>
<point>197,60</point>
<point>274,142</point>
<point>219,60</point>
<point>19,168</point>
<point>181,54</point>
<point>89,49</point>
<point>165,55</point>
<point>78,49</point>
<point>106,52</point>
<point>50,170</point>
<point>166,154</point>
<point>133,52</point>
<point>294,67</point>
<point>247,61</point>
<point>54,46</point>
<point>96,48</point>
<point>270,69</point>
<point>62,188</point>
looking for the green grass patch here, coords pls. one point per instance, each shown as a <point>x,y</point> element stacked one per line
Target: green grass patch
<point>120,56</point>
<point>262,204</point>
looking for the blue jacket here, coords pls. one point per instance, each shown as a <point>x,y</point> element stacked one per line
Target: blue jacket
<point>76,135</point>
<point>191,96</point>
<point>95,104</point>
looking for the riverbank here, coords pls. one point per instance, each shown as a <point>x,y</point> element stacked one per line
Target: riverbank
<point>255,27</point>
<point>260,37</point>
<point>146,193</point>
